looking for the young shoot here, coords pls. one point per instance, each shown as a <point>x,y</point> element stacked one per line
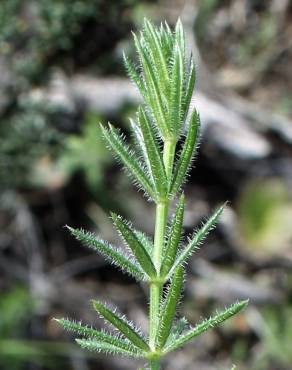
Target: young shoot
<point>165,77</point>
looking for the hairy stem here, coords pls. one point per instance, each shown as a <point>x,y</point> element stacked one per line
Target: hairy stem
<point>160,226</point>
<point>156,286</point>
<point>155,292</point>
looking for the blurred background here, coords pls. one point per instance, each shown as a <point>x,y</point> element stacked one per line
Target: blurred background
<point>61,73</point>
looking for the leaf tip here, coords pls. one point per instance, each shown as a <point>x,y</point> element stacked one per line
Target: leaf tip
<point>114,216</point>
<point>243,304</point>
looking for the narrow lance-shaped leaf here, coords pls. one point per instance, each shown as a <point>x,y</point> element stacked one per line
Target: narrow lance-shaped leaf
<point>176,90</point>
<point>169,307</point>
<point>179,35</point>
<point>140,146</point>
<point>166,38</point>
<point>134,244</point>
<point>197,239</point>
<point>134,75</point>
<point>186,154</point>
<point>127,329</point>
<point>189,89</point>
<point>207,324</point>
<point>123,153</point>
<point>111,253</point>
<point>177,330</point>
<point>152,37</point>
<point>145,241</point>
<point>98,335</point>
<point>154,92</point>
<point>96,346</point>
<point>154,159</point>
<point>175,231</point>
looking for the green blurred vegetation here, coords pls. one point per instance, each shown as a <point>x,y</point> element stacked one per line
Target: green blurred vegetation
<point>39,29</point>
<point>26,134</point>
<point>34,37</point>
<point>16,308</point>
<point>265,213</point>
<point>274,349</point>
<point>36,34</point>
<point>86,152</point>
<point>255,44</point>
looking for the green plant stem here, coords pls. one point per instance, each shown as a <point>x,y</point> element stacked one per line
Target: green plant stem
<point>156,286</point>
<point>163,205</point>
<point>154,365</point>
<point>160,226</point>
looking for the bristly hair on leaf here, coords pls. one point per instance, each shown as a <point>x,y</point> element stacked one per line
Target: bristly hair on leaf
<point>133,242</point>
<point>106,348</point>
<point>207,324</point>
<point>125,327</point>
<point>177,329</point>
<point>196,240</point>
<point>186,155</point>
<point>100,336</point>
<point>169,307</point>
<point>126,156</point>
<point>151,151</point>
<point>161,76</point>
<point>112,254</point>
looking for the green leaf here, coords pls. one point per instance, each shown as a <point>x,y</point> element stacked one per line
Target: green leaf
<point>134,75</point>
<point>185,157</point>
<point>176,91</point>
<point>180,36</point>
<point>139,251</point>
<point>99,335</point>
<point>128,159</point>
<point>189,89</point>
<point>169,307</point>
<point>145,241</point>
<point>197,239</point>
<point>167,38</point>
<point>97,346</point>
<point>153,39</point>
<point>154,96</point>
<point>175,232</point>
<point>153,156</point>
<point>90,162</point>
<point>83,330</point>
<point>125,327</point>
<point>207,324</point>
<point>111,253</point>
<point>176,330</point>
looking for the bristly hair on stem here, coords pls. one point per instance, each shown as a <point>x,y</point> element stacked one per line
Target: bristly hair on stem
<point>165,76</point>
